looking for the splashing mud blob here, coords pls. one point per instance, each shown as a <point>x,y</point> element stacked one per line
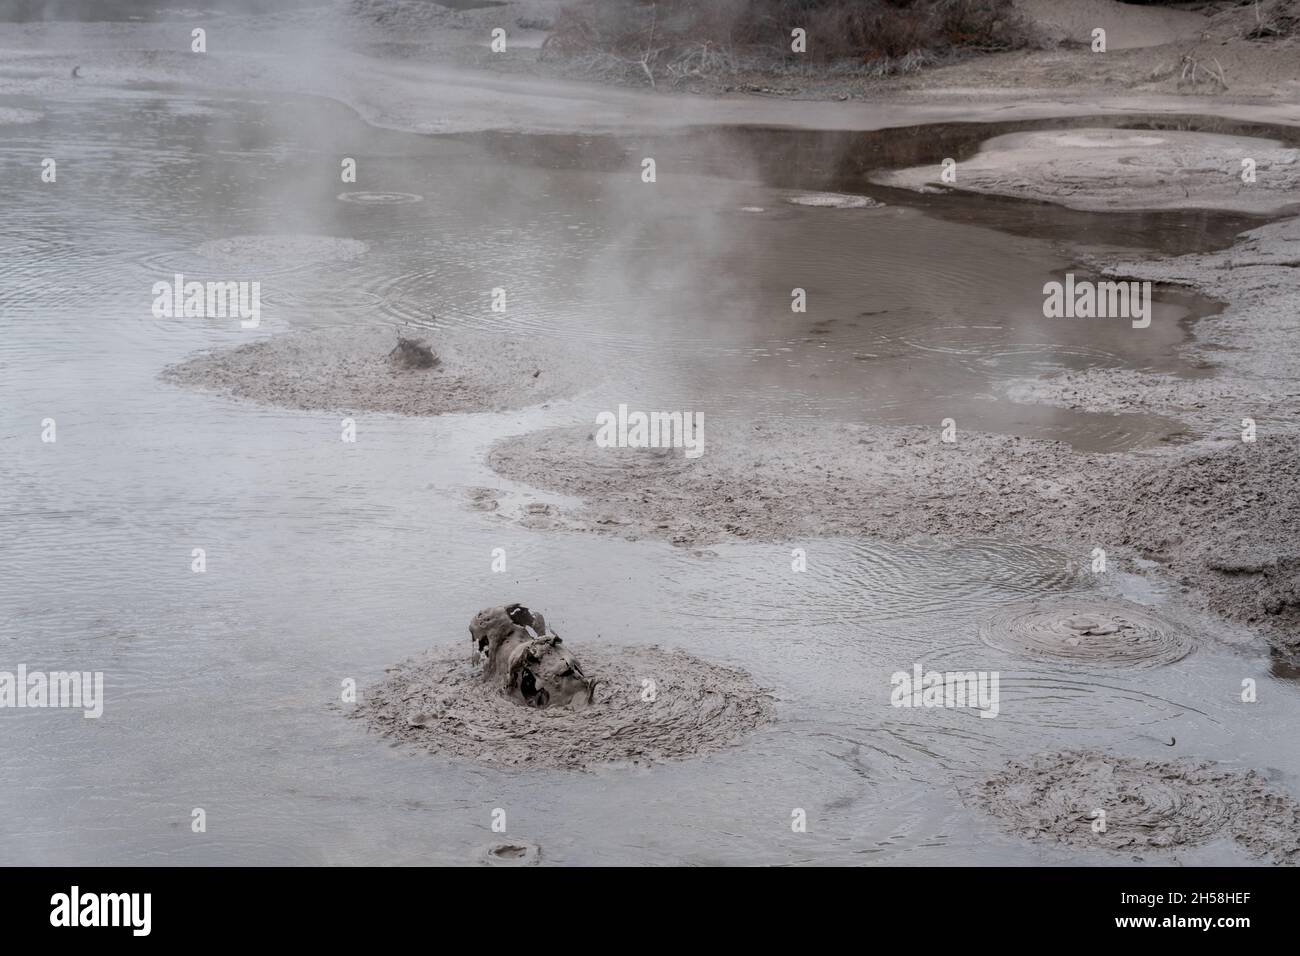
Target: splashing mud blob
<point>380,199</point>
<point>1148,804</point>
<point>833,201</point>
<point>653,705</point>
<point>1093,633</point>
<point>511,854</point>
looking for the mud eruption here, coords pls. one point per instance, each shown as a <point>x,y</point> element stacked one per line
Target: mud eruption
<point>526,662</point>
<point>412,353</point>
<point>1148,804</point>
<point>522,699</point>
<point>1091,633</point>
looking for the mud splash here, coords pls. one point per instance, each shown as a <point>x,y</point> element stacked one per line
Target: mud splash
<point>1091,633</point>
<point>654,705</point>
<point>1149,805</point>
<point>350,370</point>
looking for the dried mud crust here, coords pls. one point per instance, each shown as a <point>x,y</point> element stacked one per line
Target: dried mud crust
<point>351,370</point>
<point>1149,805</point>
<point>439,702</point>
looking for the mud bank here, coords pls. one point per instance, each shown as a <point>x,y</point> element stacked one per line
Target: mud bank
<point>1103,169</point>
<point>351,370</point>
<point>1149,805</point>
<point>439,703</point>
<point>1219,517</point>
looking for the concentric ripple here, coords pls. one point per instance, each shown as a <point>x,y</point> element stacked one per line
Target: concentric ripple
<point>1094,633</point>
<point>1146,804</point>
<point>380,198</point>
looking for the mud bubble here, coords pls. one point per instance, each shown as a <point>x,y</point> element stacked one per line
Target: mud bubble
<point>1088,632</point>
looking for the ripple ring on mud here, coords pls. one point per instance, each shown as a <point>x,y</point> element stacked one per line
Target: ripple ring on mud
<point>1148,804</point>
<point>380,199</point>
<point>652,705</point>
<point>1092,633</point>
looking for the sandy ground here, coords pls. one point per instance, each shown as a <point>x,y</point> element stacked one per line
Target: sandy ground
<point>652,705</point>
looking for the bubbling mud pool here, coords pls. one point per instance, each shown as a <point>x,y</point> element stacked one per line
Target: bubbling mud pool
<point>327,561</point>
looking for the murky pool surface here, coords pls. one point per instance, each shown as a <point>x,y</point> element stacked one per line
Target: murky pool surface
<point>329,561</point>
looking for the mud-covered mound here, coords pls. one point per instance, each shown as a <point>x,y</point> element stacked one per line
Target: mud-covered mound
<point>652,705</point>
<point>1102,169</point>
<point>1148,804</point>
<point>351,370</point>
<point>833,200</point>
<point>1087,632</point>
